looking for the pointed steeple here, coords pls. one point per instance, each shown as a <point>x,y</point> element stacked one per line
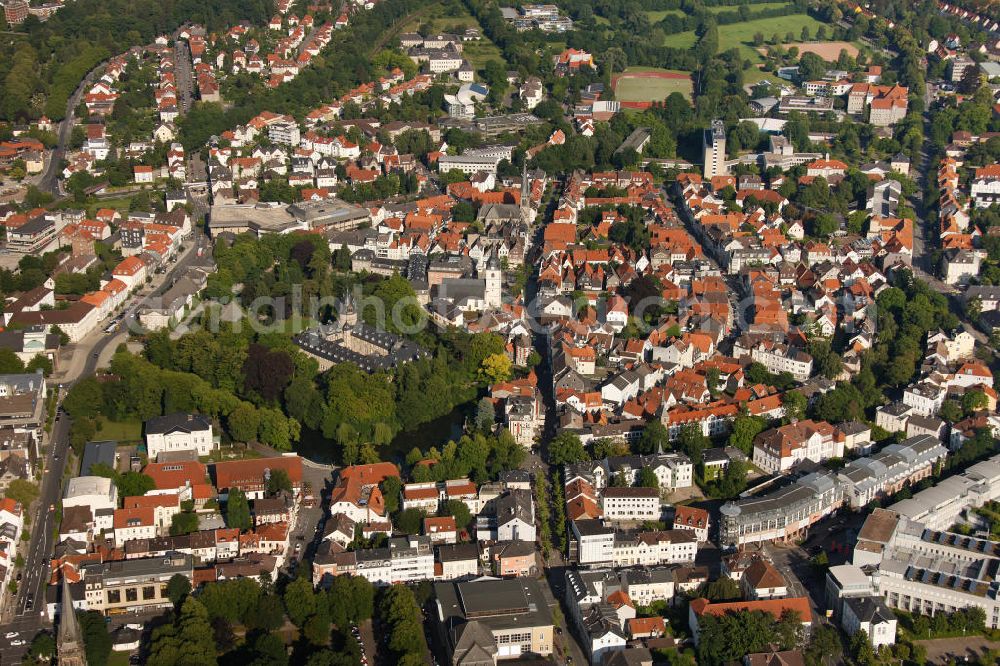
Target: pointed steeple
<point>69,640</point>
<point>527,215</point>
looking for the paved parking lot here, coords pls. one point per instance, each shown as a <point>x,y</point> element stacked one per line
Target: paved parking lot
<point>944,650</point>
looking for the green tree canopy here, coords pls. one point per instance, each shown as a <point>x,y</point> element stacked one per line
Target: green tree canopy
<point>566,447</point>
<point>238,510</point>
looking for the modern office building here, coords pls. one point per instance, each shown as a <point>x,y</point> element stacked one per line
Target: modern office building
<point>889,470</point>
<point>924,570</point>
<point>941,507</point>
<point>133,585</point>
<point>714,149</point>
<point>783,514</point>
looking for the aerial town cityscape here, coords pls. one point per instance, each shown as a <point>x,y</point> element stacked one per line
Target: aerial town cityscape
<point>474,333</point>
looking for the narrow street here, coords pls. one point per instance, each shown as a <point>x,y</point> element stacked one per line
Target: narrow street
<point>49,181</point>
<point>565,639</point>
<point>184,71</point>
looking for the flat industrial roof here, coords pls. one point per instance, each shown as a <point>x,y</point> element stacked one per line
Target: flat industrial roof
<point>499,604</point>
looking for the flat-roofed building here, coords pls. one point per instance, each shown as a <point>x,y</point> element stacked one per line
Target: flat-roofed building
<point>258,218</point>
<point>329,215</point>
<point>892,468</point>
<point>493,619</point>
<point>133,585</point>
<point>94,492</point>
<point>928,571</point>
<point>843,581</point>
<point>782,514</point>
<point>941,506</point>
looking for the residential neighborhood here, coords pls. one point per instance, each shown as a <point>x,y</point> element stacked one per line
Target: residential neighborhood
<point>454,332</point>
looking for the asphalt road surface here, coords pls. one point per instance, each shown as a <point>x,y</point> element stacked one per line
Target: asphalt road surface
<point>49,182</point>
<point>29,605</point>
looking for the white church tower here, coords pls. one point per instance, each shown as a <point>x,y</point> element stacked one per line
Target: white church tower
<point>494,277</point>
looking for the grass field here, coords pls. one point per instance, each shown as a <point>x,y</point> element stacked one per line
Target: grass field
<point>120,204</point>
<point>754,75</point>
<point>741,34</point>
<point>121,431</point>
<point>481,52</point>
<point>681,40</point>
<point>635,84</point>
<point>118,659</point>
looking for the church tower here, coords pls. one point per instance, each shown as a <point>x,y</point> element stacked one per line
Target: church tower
<point>69,641</point>
<point>348,314</point>
<point>527,214</point>
<point>494,277</point>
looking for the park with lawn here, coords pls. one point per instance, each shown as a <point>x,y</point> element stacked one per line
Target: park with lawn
<point>741,35</point>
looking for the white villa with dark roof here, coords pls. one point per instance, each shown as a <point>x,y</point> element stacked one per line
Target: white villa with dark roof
<point>179,432</point>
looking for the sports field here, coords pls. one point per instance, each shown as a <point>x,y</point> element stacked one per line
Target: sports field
<point>638,87</point>
<point>828,51</point>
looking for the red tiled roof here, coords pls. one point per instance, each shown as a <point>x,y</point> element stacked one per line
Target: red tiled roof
<point>143,514</point>
<point>645,625</point>
<point>242,473</point>
<point>151,501</point>
<point>176,474</point>
<point>690,516</point>
<point>773,606</point>
<point>434,524</point>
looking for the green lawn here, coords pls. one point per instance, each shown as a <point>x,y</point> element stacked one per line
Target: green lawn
<point>118,203</point>
<point>755,75</point>
<point>440,20</point>
<point>118,658</point>
<point>681,40</point>
<point>121,431</point>
<point>481,52</point>
<point>651,90</point>
<point>741,34</point>
<point>755,7</point>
